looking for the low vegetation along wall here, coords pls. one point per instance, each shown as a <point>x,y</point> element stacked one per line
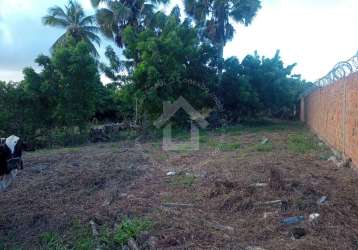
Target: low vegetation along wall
<point>331,112</point>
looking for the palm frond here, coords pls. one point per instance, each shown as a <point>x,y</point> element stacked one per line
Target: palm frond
<point>105,19</point>
<point>176,12</point>
<point>93,29</point>
<point>55,21</point>
<point>91,47</point>
<point>75,12</point>
<point>244,11</point>
<point>160,1</point>
<point>96,3</point>
<point>76,23</point>
<point>60,41</point>
<point>57,11</point>
<point>120,10</point>
<point>147,10</point>
<point>92,37</point>
<point>88,20</point>
<point>229,31</point>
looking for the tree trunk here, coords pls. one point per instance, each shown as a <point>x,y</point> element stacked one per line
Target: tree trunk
<point>221,41</point>
<point>220,61</point>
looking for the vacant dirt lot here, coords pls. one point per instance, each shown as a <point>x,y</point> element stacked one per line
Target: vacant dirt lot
<point>219,198</point>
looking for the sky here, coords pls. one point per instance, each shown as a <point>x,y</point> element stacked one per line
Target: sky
<point>315,34</point>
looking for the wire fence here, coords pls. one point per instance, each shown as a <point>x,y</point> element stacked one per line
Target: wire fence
<point>340,70</point>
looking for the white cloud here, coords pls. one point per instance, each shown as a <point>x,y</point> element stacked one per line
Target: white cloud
<point>10,75</point>
<point>5,34</point>
<point>87,6</point>
<point>26,7</point>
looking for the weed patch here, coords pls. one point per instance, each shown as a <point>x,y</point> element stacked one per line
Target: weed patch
<point>52,241</point>
<point>301,143</point>
<point>130,228</point>
<point>82,237</point>
<point>228,146</point>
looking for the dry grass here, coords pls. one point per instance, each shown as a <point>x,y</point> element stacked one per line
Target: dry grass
<point>110,182</point>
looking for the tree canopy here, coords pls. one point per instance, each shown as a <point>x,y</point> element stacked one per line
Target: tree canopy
<point>214,18</point>
<point>163,57</point>
<point>170,57</point>
<point>118,15</point>
<point>77,25</point>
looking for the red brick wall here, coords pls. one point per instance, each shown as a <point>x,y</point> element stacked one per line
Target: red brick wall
<point>332,113</point>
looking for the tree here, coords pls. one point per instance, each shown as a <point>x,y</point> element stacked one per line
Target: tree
<point>214,18</point>
<point>78,82</point>
<point>172,62</point>
<point>117,69</point>
<point>77,25</point>
<point>12,108</point>
<point>278,89</point>
<point>66,91</point>
<point>119,14</point>
<point>236,93</point>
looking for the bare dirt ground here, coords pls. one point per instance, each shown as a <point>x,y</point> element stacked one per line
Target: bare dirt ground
<point>216,199</point>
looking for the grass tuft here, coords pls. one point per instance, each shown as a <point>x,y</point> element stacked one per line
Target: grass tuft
<point>52,241</point>
<point>228,146</point>
<point>130,228</point>
<point>82,237</point>
<point>301,143</point>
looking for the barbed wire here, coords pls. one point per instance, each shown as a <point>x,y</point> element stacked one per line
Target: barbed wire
<point>339,71</point>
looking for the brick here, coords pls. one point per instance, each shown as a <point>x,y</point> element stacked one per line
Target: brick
<point>332,113</point>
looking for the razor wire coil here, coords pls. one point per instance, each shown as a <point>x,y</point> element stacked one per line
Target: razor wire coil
<point>340,71</point>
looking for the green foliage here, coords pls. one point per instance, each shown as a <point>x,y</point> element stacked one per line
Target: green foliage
<point>130,228</point>
<point>61,98</point>
<point>171,61</point>
<point>116,69</point>
<point>164,58</point>
<point>237,95</point>
<point>259,86</point>
<point>301,143</point>
<point>116,16</point>
<point>52,241</point>
<point>215,18</point>
<point>78,82</point>
<point>228,146</point>
<point>81,237</point>
<point>62,136</point>
<point>13,104</point>
<point>78,26</point>
<point>277,88</point>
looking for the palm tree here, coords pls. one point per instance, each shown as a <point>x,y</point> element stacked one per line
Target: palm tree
<point>119,14</point>
<point>77,25</point>
<point>214,17</point>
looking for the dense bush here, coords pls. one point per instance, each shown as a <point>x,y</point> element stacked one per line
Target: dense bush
<point>171,62</point>
<point>259,86</point>
<point>162,59</point>
<point>64,94</point>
